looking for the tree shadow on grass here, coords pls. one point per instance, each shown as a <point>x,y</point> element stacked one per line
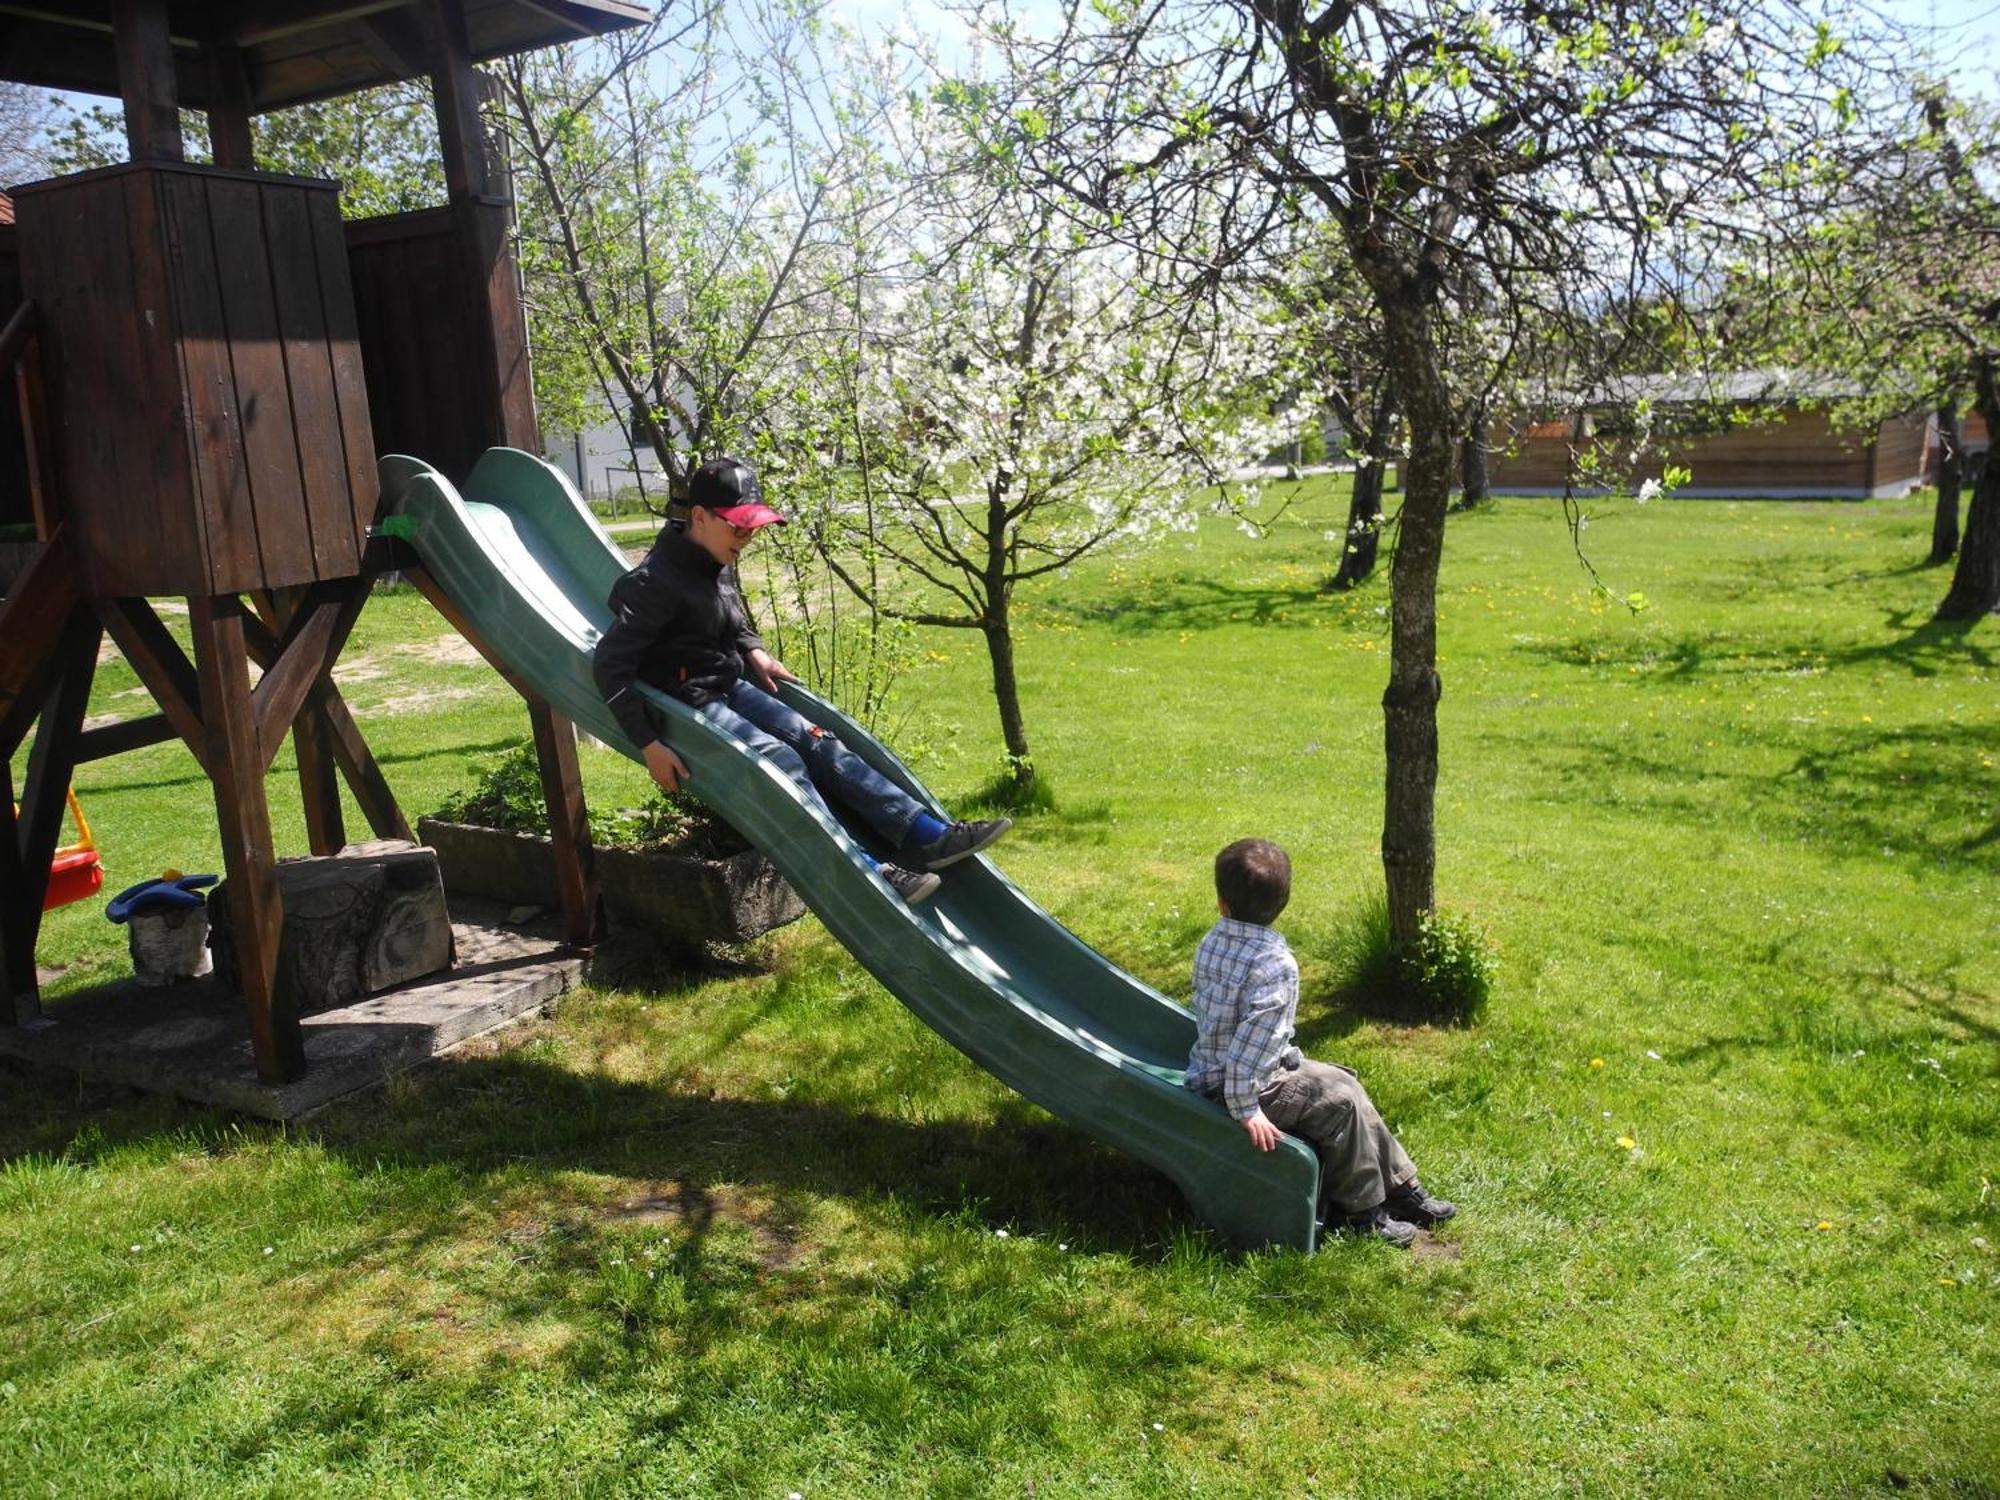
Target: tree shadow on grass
<point>1923,646</point>
<point>1197,604</point>
<point>1862,791</point>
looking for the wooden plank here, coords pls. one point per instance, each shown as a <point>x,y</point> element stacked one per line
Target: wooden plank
<point>255,908</point>
<point>313,405</point>
<point>569,826</point>
<point>37,440</point>
<point>129,734</point>
<point>342,333</point>
<point>157,528</point>
<point>161,665</point>
<point>219,466</point>
<point>246,277</point>
<point>145,55</point>
<point>74,278</point>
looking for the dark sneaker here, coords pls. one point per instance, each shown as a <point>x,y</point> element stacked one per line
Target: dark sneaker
<point>960,841</point>
<point>1413,1205</point>
<point>1378,1223</point>
<point>914,886</point>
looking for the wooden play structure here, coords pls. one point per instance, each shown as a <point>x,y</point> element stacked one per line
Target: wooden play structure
<point>207,362</point>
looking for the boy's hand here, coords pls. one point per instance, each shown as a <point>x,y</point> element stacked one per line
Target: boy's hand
<point>768,670</point>
<point>1263,1134</point>
<point>665,767</point>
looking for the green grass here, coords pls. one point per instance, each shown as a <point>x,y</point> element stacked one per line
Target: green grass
<point>740,1235</point>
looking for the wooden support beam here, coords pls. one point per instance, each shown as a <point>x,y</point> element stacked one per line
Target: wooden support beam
<point>256,909</point>
<point>20,919</point>
<point>229,135</point>
<point>478,190</point>
<point>357,763</point>
<point>32,619</point>
<point>130,734</point>
<point>315,628</point>
<point>161,665</point>
<point>324,726</point>
<point>569,825</point>
<point>145,51</point>
<point>24,872</point>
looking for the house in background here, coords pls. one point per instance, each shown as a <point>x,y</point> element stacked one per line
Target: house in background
<point>606,460</point>
<point>1754,434</point>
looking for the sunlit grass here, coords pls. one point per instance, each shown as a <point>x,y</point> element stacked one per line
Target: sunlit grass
<point>742,1233</point>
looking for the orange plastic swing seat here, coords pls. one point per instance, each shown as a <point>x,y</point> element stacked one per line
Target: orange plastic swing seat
<point>76,873</point>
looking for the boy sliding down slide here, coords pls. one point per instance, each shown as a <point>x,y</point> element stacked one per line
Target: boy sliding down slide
<point>1246,999</point>
<point>680,626</point>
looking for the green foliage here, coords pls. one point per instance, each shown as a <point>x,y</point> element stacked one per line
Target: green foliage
<point>1017,789</point>
<point>1312,445</point>
<point>508,795</point>
<point>1449,969</point>
<point>1445,976</point>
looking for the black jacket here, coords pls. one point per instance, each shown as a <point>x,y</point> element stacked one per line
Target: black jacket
<point>679,625</point>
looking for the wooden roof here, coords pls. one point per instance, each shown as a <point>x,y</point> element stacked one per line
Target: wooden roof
<point>294,51</point>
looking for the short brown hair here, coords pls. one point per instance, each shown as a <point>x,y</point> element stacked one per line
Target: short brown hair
<point>1254,879</point>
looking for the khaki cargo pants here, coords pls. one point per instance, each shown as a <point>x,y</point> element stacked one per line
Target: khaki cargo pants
<point>1359,1159</point>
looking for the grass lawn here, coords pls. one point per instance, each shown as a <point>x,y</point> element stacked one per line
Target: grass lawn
<point>1725,1144</point>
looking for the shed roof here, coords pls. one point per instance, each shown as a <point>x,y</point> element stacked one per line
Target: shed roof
<point>294,51</point>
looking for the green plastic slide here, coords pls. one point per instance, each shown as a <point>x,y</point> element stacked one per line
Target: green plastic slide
<point>982,965</point>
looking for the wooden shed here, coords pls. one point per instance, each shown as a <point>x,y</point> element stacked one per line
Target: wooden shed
<point>1758,434</point>
<point>207,361</point>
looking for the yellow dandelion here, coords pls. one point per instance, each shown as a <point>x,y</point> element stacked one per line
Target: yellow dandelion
<point>1626,1142</point>
<point>1597,1062</point>
<point>1824,1224</point>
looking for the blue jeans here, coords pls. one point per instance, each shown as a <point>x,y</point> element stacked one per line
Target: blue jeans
<point>813,758</point>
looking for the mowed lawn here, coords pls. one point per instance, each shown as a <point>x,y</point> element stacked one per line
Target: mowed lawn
<point>1726,1141</point>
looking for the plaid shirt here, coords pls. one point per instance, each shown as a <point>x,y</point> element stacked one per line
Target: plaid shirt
<point>1246,997</point>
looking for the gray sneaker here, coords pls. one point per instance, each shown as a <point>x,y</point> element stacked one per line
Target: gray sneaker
<point>914,886</point>
<point>1376,1222</point>
<point>960,841</point>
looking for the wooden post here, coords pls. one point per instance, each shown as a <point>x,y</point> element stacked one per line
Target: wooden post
<point>146,79</point>
<point>479,194</point>
<point>569,824</point>
<point>235,769</point>
<point>229,136</point>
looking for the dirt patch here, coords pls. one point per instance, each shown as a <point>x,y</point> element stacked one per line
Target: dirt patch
<point>1430,1247</point>
<point>699,1210</point>
<point>430,698</point>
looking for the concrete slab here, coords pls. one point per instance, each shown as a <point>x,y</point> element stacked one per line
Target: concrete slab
<point>191,1039</point>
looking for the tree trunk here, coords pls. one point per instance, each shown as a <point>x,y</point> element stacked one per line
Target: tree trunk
<point>1475,487</point>
<point>1364,509</point>
<point>1950,478</point>
<point>1000,649</point>
<point>1975,586</point>
<point>1409,705</point>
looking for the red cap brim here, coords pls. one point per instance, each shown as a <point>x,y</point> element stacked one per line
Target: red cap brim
<point>752,515</point>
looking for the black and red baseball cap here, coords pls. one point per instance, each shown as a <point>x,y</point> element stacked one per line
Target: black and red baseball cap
<point>728,488</point>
